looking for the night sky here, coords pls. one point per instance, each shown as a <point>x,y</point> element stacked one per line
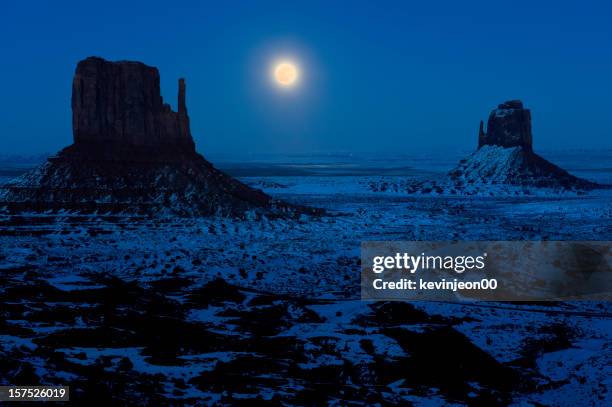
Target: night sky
<point>375,76</point>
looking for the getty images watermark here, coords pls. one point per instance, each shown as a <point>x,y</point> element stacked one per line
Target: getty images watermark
<point>486,270</point>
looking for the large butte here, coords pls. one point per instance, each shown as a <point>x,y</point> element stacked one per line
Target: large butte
<point>132,153</point>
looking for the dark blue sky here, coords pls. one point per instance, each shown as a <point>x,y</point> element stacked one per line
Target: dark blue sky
<point>377,76</point>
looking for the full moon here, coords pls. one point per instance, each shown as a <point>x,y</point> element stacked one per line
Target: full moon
<point>286,74</point>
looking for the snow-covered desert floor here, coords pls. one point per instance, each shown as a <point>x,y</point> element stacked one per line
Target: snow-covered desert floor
<point>221,310</point>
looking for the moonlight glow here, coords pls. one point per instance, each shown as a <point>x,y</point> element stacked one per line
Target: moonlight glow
<point>285,74</point>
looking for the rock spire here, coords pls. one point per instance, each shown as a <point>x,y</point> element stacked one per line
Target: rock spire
<point>119,104</point>
<point>508,126</point>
